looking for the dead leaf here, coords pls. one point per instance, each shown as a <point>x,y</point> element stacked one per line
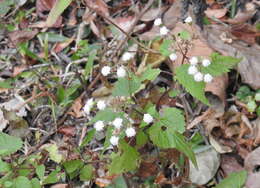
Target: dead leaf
<point>245,32</point>
<point>76,108</point>
<point>68,131</point>
<point>152,14</point>
<point>200,118</point>
<point>208,162</point>
<point>58,47</point>
<point>172,14</point>
<point>248,68</point>
<point>60,186</point>
<point>3,121</point>
<point>229,164</point>
<point>125,23</point>
<point>256,131</point>
<point>19,69</point>
<point>241,17</point>
<point>99,6</point>
<point>19,36</point>
<point>217,13</point>
<point>147,168</point>
<point>252,162</point>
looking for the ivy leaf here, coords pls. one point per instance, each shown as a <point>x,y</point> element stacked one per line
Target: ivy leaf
<point>234,180</point>
<point>220,64</point>
<point>126,86</point>
<point>124,161</point>
<point>150,74</point>
<point>196,89</point>
<point>9,144</point>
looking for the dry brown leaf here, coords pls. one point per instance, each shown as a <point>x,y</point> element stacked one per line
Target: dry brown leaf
<point>68,131</point>
<point>19,69</point>
<point>252,162</point>
<point>257,131</point>
<point>147,168</point>
<point>248,68</point>
<point>125,23</point>
<point>200,118</point>
<point>58,47</point>
<point>99,6</point>
<point>19,36</point>
<point>152,14</point>
<point>60,186</point>
<point>172,15</point>
<point>229,164</point>
<point>241,17</point>
<point>217,13</point>
<point>76,108</point>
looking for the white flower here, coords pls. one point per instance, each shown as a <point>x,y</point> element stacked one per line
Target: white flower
<point>148,118</point>
<point>99,125</point>
<point>127,56</point>
<point>194,61</point>
<point>198,77</point>
<point>130,132</point>
<point>188,19</point>
<point>105,70</point>
<point>118,122</point>
<point>157,21</point>
<point>206,62</point>
<point>114,140</point>
<point>192,70</point>
<point>89,104</point>
<point>101,105</point>
<point>208,78</point>
<point>173,57</point>
<point>120,72</point>
<point>164,30</point>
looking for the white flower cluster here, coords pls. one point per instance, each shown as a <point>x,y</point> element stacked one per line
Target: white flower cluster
<point>193,70</point>
<point>121,72</point>
<point>163,29</point>
<point>129,131</point>
<point>101,105</point>
<point>188,20</point>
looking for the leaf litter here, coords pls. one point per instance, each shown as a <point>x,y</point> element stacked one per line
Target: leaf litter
<point>52,81</point>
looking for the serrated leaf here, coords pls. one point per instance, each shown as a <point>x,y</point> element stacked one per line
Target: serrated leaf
<point>165,47</point>
<point>173,118</point>
<point>185,35</point>
<point>72,165</point>
<point>124,161</point>
<point>9,144</point>
<point>150,74</point>
<point>234,180</point>
<point>86,173</point>
<point>220,64</point>
<point>126,86</point>
<point>196,89</point>
<point>56,11</point>
<point>54,152</point>
<point>40,170</point>
<point>105,115</point>
<point>166,132</point>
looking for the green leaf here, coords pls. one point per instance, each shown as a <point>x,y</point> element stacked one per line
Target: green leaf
<point>196,89</point>
<point>40,170</point>
<point>125,160</point>
<point>52,37</point>
<point>165,47</point>
<point>54,153</point>
<point>22,182</point>
<point>72,165</point>
<point>88,138</point>
<point>185,35</point>
<point>56,11</point>
<point>150,74</point>
<point>6,84</point>
<point>251,106</point>
<point>106,115</point>
<point>118,183</point>
<point>86,173</point>
<point>173,118</point>
<point>4,167</point>
<point>243,93</point>
<point>35,183</point>
<point>52,177</point>
<point>126,86</point>
<point>234,180</point>
<point>89,64</point>
<point>9,144</point>
<point>220,64</point>
<point>141,139</point>
<point>164,133</point>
